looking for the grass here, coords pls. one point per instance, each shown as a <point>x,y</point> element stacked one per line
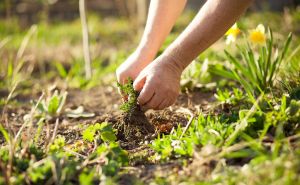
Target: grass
<point>248,133</point>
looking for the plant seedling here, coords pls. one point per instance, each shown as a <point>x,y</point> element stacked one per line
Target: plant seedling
<point>53,105</point>
<point>129,105</point>
<point>134,123</point>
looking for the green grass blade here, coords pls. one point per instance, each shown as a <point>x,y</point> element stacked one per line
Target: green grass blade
<point>272,71</point>
<point>248,88</point>
<point>269,54</point>
<point>286,46</point>
<point>247,59</point>
<point>244,71</point>
<point>5,134</point>
<point>255,67</point>
<point>223,73</point>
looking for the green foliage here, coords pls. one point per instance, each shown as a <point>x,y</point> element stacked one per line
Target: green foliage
<point>203,131</point>
<point>103,131</point>
<point>86,177</point>
<point>263,170</point>
<point>114,156</point>
<point>249,141</point>
<point>52,106</point>
<point>62,164</point>
<point>127,89</point>
<point>5,134</point>
<point>226,97</point>
<point>257,66</point>
<point>57,145</point>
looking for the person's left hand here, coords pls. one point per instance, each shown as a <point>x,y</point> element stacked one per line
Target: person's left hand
<point>158,83</point>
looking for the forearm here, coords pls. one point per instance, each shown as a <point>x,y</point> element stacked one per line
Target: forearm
<point>212,21</point>
<point>161,18</point>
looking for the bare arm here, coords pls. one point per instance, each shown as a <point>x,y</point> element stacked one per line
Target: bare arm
<point>161,18</point>
<point>159,81</point>
<point>212,21</point>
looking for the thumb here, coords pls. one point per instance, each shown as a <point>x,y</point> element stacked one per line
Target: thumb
<point>139,82</point>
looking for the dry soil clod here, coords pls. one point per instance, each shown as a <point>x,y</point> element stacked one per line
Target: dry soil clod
<point>134,126</point>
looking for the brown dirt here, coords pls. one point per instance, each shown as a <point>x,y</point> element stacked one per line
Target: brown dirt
<point>104,101</point>
<point>134,126</point>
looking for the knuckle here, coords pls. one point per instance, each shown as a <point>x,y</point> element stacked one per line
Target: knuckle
<point>151,105</point>
<point>161,107</point>
<point>141,100</point>
<point>157,108</point>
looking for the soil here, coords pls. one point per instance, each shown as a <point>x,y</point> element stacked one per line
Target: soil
<point>104,102</point>
<point>132,132</point>
<point>133,126</point>
<point>139,127</point>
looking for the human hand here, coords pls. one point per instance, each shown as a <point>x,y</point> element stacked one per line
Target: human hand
<point>158,83</point>
<point>132,66</point>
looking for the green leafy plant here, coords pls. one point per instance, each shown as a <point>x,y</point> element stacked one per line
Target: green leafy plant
<point>52,106</point>
<point>103,131</point>
<point>205,130</point>
<point>257,66</point>
<point>63,164</point>
<point>114,156</point>
<point>227,97</point>
<point>109,151</point>
<point>57,145</point>
<point>128,91</point>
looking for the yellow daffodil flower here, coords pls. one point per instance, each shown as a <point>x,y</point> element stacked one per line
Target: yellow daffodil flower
<point>232,34</point>
<point>257,36</point>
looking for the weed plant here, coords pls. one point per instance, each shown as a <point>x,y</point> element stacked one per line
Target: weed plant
<point>27,163</point>
<point>130,105</point>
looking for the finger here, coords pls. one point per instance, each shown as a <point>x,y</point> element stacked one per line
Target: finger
<point>122,79</point>
<point>154,102</point>
<point>147,93</point>
<point>118,76</point>
<point>163,104</point>
<point>169,103</point>
<point>139,82</point>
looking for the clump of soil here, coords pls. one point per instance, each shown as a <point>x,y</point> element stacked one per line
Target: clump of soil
<point>133,126</point>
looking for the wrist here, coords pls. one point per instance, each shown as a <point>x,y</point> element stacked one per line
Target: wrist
<point>148,49</point>
<point>176,59</point>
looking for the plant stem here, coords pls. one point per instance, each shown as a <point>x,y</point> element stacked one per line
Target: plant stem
<point>85,39</point>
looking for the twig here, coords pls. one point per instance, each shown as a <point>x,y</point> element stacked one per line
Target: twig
<point>187,126</point>
<point>31,118</point>
<point>85,39</point>
<point>54,133</point>
<point>4,41</point>
<point>186,111</point>
<point>8,8</point>
<point>25,43</point>
<point>75,153</point>
<point>242,124</point>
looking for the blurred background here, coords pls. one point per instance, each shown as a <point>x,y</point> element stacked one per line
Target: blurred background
<point>47,34</point>
<point>32,11</point>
